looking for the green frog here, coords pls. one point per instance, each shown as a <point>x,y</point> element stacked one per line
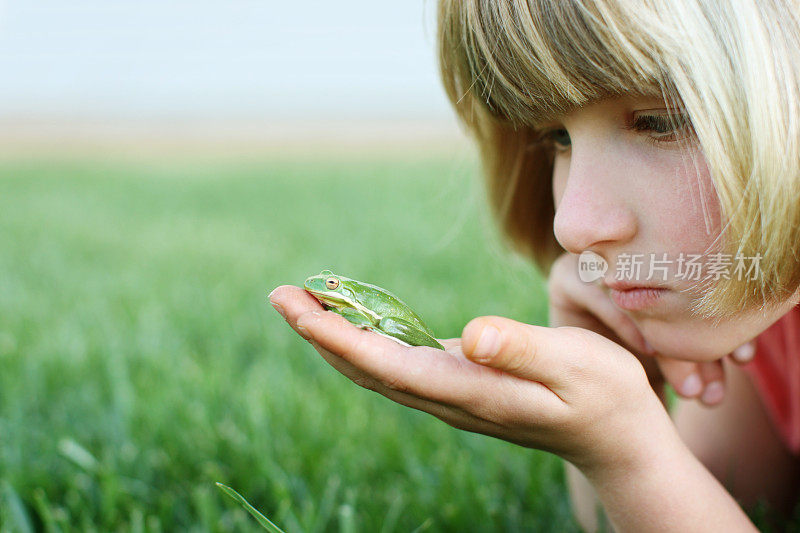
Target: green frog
<point>371,307</point>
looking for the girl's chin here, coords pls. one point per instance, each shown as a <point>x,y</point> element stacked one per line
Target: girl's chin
<point>691,339</point>
<point>679,343</point>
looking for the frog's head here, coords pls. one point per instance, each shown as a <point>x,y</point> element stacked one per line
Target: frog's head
<point>331,290</point>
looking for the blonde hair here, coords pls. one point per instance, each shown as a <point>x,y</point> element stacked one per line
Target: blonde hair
<point>508,65</point>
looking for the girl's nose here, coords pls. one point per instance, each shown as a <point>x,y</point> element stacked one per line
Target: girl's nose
<point>593,211</point>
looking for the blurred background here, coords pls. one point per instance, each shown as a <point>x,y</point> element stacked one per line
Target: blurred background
<point>258,71</point>
<point>164,166</point>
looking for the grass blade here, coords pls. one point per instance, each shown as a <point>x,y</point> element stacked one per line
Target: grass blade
<point>263,520</point>
<point>16,514</point>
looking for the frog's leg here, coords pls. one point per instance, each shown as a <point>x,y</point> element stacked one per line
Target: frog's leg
<point>407,332</point>
<point>355,317</point>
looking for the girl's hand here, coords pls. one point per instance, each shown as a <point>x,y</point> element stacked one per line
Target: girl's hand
<point>576,303</point>
<point>566,390</point>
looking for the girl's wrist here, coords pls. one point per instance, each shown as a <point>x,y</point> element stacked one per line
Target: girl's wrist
<point>658,484</point>
<point>637,447</point>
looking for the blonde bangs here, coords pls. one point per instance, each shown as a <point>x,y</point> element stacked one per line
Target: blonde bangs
<point>525,62</point>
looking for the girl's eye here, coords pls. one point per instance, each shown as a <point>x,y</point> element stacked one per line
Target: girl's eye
<point>558,138</point>
<point>661,126</point>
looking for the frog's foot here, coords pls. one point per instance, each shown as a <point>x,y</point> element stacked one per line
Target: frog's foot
<point>373,329</point>
<point>355,318</point>
<point>407,333</point>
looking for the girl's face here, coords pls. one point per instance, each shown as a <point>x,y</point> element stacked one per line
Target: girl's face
<point>627,184</point>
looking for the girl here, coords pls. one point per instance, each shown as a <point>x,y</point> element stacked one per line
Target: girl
<point>659,140</point>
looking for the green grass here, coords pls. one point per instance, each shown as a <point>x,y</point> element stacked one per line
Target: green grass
<point>263,521</point>
<point>140,362</point>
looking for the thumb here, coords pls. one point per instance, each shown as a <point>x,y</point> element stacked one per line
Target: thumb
<point>530,352</point>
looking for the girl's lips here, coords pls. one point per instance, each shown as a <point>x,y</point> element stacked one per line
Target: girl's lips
<point>636,298</point>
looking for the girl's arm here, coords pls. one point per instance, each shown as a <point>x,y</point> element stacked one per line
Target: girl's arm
<point>665,488</point>
<point>576,303</point>
<point>565,390</point>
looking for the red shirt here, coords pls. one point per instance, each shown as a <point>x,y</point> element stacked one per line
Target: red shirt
<point>775,372</point>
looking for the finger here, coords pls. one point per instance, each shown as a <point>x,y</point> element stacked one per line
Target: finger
<point>290,296</point>
<point>583,297</point>
<point>424,372</point>
<point>444,384</point>
<point>450,344</point>
<point>713,375</point>
<point>684,376</point>
<point>600,305</point>
<point>744,353</point>
<point>290,302</point>
<point>452,415</point>
<point>530,352</point>
<point>348,370</point>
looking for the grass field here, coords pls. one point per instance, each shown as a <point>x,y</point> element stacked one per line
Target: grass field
<point>140,362</point>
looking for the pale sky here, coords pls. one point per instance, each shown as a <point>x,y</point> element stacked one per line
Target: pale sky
<point>226,58</point>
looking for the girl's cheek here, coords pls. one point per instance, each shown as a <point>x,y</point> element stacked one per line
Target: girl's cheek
<point>693,224</point>
<point>560,171</point>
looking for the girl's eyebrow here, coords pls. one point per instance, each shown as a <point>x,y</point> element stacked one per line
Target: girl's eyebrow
<point>664,109</point>
<point>546,124</point>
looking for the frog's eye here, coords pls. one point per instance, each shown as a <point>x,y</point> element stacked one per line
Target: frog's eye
<point>331,283</point>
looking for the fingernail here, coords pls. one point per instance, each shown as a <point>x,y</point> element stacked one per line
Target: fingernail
<point>279,309</point>
<point>713,393</point>
<point>488,343</point>
<point>269,296</point>
<point>692,385</point>
<point>744,353</point>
